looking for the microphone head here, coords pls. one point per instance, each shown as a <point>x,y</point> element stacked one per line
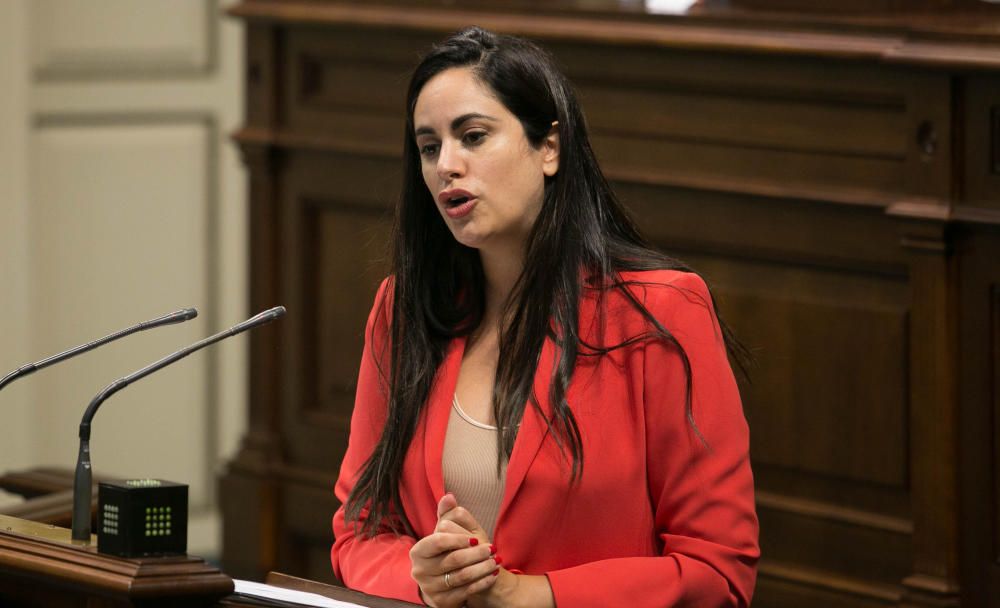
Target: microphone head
<point>262,317</point>
<point>178,316</point>
<point>187,314</point>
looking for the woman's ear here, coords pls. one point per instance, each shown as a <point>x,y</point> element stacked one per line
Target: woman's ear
<point>550,151</point>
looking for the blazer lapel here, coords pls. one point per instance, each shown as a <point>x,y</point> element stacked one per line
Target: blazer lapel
<point>438,411</point>
<point>532,432</point>
<point>529,437</point>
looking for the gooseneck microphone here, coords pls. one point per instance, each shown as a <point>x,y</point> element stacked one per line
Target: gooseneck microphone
<point>185,314</point>
<point>83,479</point>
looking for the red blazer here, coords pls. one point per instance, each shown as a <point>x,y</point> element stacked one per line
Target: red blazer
<point>660,516</point>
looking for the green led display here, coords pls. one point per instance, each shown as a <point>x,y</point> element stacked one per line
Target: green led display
<point>142,517</point>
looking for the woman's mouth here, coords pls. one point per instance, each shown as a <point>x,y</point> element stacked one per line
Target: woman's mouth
<point>457,202</point>
<point>459,206</point>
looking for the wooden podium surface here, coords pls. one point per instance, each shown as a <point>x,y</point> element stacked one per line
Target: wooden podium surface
<point>331,591</point>
<point>40,567</point>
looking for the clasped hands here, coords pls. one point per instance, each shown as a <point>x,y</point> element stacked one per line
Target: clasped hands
<point>456,564</point>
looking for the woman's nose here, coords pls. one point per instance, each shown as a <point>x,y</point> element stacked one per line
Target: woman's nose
<point>450,164</point>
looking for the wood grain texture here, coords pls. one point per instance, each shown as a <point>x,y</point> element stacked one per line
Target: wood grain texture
<point>43,572</point>
<point>831,179</point>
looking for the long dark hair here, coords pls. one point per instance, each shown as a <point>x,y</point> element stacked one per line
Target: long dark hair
<point>438,287</point>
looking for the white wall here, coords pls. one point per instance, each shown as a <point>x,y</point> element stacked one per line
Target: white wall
<point>121,199</point>
<point>15,313</point>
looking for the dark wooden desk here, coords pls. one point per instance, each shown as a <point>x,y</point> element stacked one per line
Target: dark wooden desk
<point>40,567</point>
<point>345,595</point>
<point>331,591</point>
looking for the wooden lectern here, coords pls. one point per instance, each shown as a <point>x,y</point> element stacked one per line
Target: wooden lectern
<point>41,567</point>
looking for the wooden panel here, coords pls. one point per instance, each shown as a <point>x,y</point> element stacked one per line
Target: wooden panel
<point>789,168</point>
<point>853,6</point>
<point>683,220</point>
<point>351,250</point>
<point>766,120</point>
<point>337,82</point>
<point>933,389</point>
<point>982,142</point>
<point>865,554</point>
<point>825,6</point>
<point>994,384</point>
<point>856,421</point>
<point>811,176</point>
<point>830,432</point>
<point>306,519</point>
<point>834,126</point>
<point>856,405</point>
<point>250,534</point>
<point>339,220</point>
<point>262,90</point>
<point>778,590</point>
<point>980,390</point>
<point>833,499</point>
<point>829,427</point>
<point>847,128</point>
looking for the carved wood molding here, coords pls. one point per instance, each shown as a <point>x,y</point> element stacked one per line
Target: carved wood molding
<point>829,582</point>
<point>834,512</point>
<point>901,42</point>
<point>259,143</point>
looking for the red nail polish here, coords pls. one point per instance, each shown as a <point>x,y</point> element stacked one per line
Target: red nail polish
<point>493,549</point>
<point>496,572</point>
<point>473,541</point>
<point>498,559</point>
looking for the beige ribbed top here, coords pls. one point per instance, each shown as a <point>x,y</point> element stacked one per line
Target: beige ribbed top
<point>469,464</point>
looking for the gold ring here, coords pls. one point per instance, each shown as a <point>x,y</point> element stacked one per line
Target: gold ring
<point>447,579</point>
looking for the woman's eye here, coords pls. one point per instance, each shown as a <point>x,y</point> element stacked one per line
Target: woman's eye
<point>474,137</point>
<point>428,149</point>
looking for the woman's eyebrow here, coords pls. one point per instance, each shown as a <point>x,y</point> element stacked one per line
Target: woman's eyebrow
<point>455,124</point>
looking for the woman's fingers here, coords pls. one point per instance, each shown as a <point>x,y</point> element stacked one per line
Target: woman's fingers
<point>448,567</point>
<point>458,596</point>
<point>457,560</point>
<point>447,503</point>
<point>440,542</point>
<point>462,517</point>
<point>431,564</point>
<point>466,576</point>
<point>441,553</point>
<point>446,525</point>
<point>462,558</point>
<point>484,583</point>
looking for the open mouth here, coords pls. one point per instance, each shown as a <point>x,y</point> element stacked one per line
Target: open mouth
<point>457,202</point>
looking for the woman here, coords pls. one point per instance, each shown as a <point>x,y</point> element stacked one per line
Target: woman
<point>545,411</point>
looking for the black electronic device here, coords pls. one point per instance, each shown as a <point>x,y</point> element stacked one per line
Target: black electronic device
<point>142,517</point>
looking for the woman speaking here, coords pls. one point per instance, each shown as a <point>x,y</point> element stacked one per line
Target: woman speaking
<point>546,413</point>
